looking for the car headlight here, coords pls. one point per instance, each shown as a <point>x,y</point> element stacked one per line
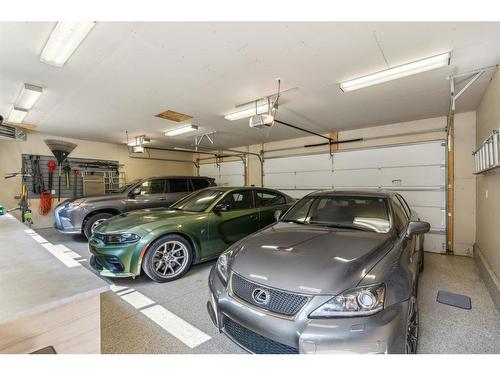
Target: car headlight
<point>361,301</point>
<point>121,238</point>
<point>74,204</point>
<point>223,266</point>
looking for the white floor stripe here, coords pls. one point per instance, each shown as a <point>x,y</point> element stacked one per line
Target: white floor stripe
<point>81,260</point>
<point>29,231</point>
<point>56,251</point>
<point>117,288</point>
<point>126,291</point>
<point>185,332</point>
<point>39,238</point>
<point>138,300</point>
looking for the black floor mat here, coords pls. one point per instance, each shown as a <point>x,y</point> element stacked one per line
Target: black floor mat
<point>456,300</point>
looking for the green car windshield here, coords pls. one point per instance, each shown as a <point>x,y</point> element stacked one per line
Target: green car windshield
<point>198,201</point>
<point>359,213</point>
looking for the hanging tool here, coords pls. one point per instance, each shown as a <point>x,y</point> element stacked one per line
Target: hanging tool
<point>61,150</point>
<point>75,181</point>
<point>51,165</point>
<point>46,195</point>
<point>23,198</point>
<point>67,173</point>
<point>37,176</point>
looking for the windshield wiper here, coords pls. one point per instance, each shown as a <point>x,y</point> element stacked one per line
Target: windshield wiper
<point>343,226</point>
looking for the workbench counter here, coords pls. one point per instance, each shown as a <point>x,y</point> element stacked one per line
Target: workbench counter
<point>42,296</point>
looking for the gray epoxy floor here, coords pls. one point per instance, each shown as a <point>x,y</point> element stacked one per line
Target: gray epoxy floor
<point>443,329</point>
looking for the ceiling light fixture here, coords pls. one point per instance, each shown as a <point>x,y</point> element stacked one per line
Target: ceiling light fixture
<point>63,41</point>
<point>397,72</point>
<point>17,115</point>
<point>255,110</point>
<point>28,96</point>
<point>185,129</point>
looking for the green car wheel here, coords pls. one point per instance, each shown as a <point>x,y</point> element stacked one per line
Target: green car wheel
<point>168,258</point>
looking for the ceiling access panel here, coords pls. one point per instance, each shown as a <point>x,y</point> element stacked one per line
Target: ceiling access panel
<point>417,171</point>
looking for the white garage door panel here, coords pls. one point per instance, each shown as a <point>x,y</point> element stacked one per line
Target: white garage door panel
<point>424,198</point>
<point>393,156</point>
<point>417,171</point>
<point>230,173</point>
<point>434,243</point>
<point>314,180</point>
<point>435,216</point>
<point>299,163</point>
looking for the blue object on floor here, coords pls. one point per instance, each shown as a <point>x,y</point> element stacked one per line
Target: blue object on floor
<point>456,300</point>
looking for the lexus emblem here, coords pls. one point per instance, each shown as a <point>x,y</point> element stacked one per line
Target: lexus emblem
<point>261,296</point>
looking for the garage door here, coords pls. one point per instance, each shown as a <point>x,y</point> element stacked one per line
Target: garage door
<point>417,171</point>
<point>229,173</point>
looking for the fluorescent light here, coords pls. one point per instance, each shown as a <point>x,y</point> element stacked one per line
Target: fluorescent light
<point>182,130</point>
<point>28,96</point>
<point>17,115</point>
<point>261,108</point>
<point>397,72</point>
<point>63,41</point>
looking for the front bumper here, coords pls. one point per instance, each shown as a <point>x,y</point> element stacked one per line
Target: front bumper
<point>115,260</point>
<point>262,332</point>
<point>67,221</point>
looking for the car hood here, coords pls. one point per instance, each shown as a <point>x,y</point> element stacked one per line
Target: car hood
<point>151,217</point>
<point>96,199</point>
<point>309,259</point>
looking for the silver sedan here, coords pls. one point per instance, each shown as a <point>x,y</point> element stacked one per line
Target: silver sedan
<point>337,273</point>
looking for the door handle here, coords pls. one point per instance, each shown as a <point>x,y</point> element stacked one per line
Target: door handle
<point>162,199</point>
<point>254,217</point>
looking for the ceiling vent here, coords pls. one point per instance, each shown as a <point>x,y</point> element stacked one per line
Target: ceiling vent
<point>174,116</point>
<point>12,133</point>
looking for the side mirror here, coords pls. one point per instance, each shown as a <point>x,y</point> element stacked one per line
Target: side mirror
<point>221,207</point>
<point>134,192</point>
<point>417,227</point>
<point>277,214</point>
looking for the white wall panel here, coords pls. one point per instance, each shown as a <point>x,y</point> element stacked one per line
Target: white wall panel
<point>417,171</point>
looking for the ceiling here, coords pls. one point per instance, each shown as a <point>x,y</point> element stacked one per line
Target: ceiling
<point>125,73</point>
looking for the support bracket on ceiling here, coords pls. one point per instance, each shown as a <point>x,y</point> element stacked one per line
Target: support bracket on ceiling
<point>210,137</point>
<point>473,77</point>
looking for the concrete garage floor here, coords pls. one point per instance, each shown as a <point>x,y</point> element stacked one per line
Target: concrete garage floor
<point>129,329</point>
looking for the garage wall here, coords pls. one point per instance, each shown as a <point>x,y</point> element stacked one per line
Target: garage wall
<point>488,186</point>
<point>10,156</point>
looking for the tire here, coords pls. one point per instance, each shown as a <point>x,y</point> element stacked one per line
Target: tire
<point>92,222</point>
<point>412,321</point>
<point>168,258</point>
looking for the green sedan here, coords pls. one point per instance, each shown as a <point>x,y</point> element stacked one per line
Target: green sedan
<point>165,242</point>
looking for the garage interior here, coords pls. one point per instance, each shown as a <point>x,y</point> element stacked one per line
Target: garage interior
<point>148,99</point>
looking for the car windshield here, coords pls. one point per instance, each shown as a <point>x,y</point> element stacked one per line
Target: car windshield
<point>352,212</point>
<point>198,201</point>
<point>124,188</point>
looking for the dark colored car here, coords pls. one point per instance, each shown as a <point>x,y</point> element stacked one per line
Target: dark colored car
<point>338,273</point>
<point>164,243</point>
<point>82,215</point>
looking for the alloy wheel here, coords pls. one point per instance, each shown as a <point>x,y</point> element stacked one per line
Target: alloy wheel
<point>169,259</point>
<point>412,327</point>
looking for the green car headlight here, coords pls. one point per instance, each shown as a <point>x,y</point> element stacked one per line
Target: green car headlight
<point>121,238</point>
<point>362,301</point>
